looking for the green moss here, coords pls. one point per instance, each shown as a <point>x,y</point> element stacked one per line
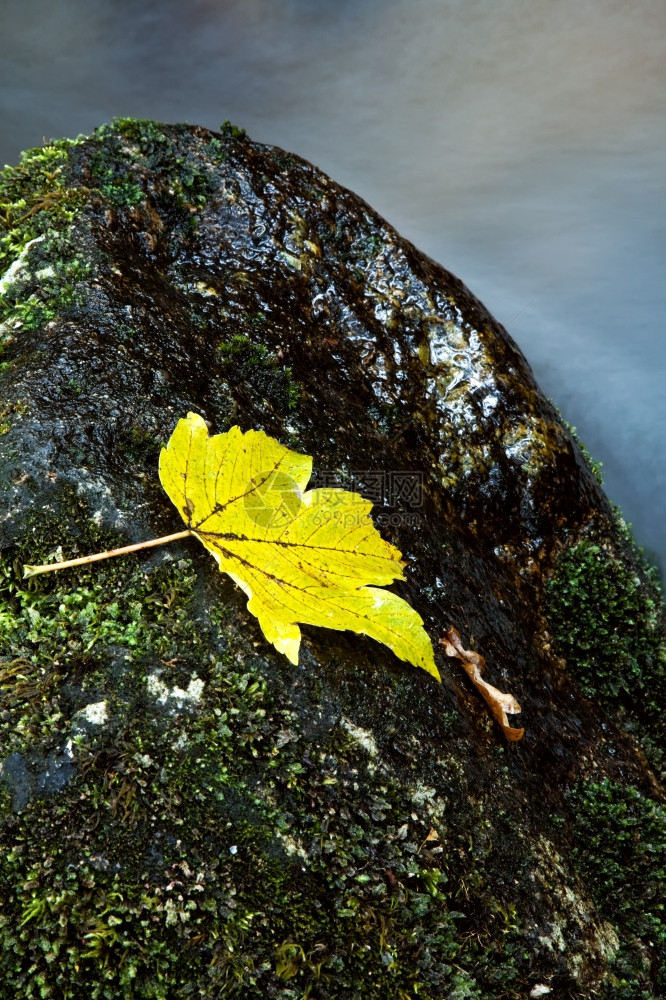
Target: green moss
<point>67,917</point>
<point>605,608</point>
<point>215,151</point>
<point>49,292</point>
<point>594,466</point>
<point>129,149</point>
<point>67,624</point>
<point>619,848</point>
<point>244,362</point>
<point>230,131</point>
<point>8,413</point>
<point>40,202</point>
<point>139,446</point>
<point>608,622</point>
<point>116,183</point>
<point>35,197</point>
<point>37,211</point>
<point>216,844</point>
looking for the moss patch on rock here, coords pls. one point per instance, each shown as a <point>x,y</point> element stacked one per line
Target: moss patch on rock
<point>245,363</point>
<point>172,824</point>
<point>39,255</point>
<point>129,147</point>
<point>619,847</point>
<point>608,622</point>
<point>605,608</point>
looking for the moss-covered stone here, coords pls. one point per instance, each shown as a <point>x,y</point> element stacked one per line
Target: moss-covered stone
<point>606,612</point>
<point>144,859</point>
<point>619,847</point>
<point>610,625</point>
<point>244,362</point>
<point>39,257</point>
<point>182,811</point>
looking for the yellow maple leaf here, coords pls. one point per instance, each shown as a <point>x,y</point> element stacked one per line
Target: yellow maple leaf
<point>301,556</point>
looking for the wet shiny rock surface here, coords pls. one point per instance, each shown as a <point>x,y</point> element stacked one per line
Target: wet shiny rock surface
<point>201,271</point>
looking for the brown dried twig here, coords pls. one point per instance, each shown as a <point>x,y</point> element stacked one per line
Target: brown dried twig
<point>498,702</point>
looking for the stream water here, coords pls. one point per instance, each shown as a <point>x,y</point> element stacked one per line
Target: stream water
<point>521,143</point>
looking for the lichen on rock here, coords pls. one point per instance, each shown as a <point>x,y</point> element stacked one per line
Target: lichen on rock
<point>184,812</point>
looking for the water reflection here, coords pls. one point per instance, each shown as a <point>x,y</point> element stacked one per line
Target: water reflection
<point>522,145</point>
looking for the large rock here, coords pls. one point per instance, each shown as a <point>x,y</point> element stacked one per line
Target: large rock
<point>186,814</point>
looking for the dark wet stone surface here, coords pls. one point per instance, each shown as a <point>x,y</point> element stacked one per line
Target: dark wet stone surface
<point>212,274</point>
<point>25,780</point>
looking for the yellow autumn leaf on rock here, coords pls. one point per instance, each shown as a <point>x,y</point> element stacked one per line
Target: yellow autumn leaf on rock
<point>301,556</point>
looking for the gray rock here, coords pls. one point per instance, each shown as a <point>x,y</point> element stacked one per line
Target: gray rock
<point>230,824</point>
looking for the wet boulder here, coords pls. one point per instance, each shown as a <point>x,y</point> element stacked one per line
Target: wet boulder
<point>186,813</point>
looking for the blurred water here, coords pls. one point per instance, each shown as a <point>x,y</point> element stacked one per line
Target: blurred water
<point>522,143</point>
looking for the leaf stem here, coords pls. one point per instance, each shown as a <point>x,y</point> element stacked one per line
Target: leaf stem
<point>82,560</point>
